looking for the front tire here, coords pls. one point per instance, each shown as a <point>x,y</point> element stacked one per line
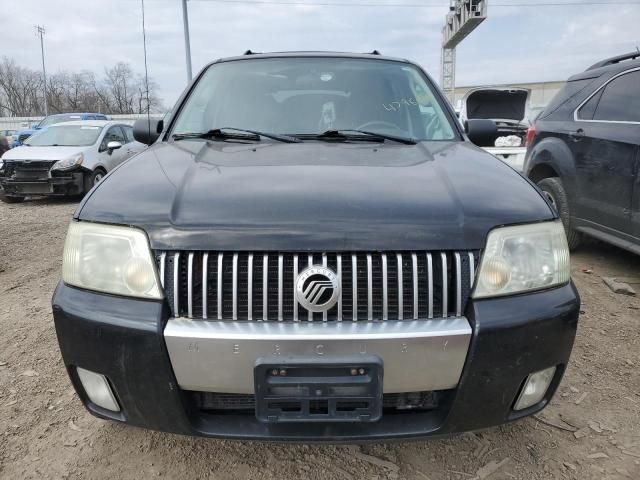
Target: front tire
<point>93,179</point>
<point>555,193</point>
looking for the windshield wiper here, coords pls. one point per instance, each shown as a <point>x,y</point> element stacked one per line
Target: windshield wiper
<point>362,135</point>
<point>224,133</point>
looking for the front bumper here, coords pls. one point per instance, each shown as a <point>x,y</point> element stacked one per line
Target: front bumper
<point>418,356</point>
<point>60,184</point>
<point>124,339</point>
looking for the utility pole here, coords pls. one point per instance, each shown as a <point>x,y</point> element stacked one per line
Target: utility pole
<point>40,32</point>
<point>187,42</point>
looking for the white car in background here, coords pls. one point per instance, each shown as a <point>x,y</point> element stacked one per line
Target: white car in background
<point>508,108</point>
<point>65,159</point>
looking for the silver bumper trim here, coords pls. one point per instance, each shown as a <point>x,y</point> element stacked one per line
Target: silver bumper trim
<point>220,356</point>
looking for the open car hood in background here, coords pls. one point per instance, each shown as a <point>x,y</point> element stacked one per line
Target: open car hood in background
<point>497,103</point>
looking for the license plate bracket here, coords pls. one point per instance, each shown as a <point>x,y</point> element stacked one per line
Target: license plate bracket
<point>312,390</point>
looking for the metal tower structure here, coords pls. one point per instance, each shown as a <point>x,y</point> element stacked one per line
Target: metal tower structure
<point>463,17</point>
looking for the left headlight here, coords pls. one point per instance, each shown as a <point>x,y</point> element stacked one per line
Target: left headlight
<point>68,163</point>
<point>523,258</point>
<point>110,259</point>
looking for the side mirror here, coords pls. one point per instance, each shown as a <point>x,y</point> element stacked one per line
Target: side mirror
<point>482,132</point>
<point>34,126</point>
<point>111,146</point>
<point>147,130</point>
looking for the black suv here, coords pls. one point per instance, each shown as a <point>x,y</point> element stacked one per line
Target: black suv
<point>585,153</point>
<point>311,249</point>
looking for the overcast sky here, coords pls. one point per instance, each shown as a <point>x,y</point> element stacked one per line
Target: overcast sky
<point>515,44</point>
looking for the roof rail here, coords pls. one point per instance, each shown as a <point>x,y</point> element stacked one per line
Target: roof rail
<point>614,60</point>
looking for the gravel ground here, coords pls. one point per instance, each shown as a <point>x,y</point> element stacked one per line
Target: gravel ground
<point>590,431</point>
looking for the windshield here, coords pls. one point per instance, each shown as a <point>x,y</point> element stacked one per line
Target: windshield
<point>67,135</point>
<point>303,96</point>
<point>53,119</point>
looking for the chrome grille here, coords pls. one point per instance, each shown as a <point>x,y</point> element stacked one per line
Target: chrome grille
<point>260,286</point>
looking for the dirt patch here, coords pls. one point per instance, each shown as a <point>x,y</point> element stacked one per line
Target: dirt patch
<point>591,430</point>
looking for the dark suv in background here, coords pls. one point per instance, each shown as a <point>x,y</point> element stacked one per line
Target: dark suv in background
<point>585,154</point>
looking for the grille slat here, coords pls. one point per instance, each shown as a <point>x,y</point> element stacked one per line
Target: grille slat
<point>354,285</point>
<point>265,289</point>
<point>413,287</point>
<point>445,289</point>
<point>309,264</point>
<point>400,292</point>
<point>219,286</point>
<point>234,280</point>
<point>205,293</point>
<point>369,289</point>
<point>163,260</point>
<point>472,274</point>
<point>325,315</point>
<point>176,276</point>
<point>385,294</point>
<point>280,286</point>
<point>414,264</point>
<point>458,284</point>
<point>430,285</point>
<point>250,287</point>
<point>190,286</point>
<point>295,301</point>
<point>339,272</point>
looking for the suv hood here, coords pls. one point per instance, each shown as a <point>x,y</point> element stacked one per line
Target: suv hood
<point>496,103</point>
<point>314,196</point>
<point>42,153</point>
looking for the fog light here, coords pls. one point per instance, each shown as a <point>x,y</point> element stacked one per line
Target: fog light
<point>98,390</point>
<point>534,388</point>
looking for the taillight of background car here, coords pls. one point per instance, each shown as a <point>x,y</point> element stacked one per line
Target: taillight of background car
<point>531,133</point>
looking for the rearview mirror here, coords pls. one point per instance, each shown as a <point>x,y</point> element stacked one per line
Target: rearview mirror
<point>111,146</point>
<point>482,132</point>
<point>147,130</point>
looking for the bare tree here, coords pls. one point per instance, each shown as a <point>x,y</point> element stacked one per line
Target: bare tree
<point>128,92</point>
<point>120,91</point>
<point>118,80</point>
<point>56,86</point>
<point>19,89</point>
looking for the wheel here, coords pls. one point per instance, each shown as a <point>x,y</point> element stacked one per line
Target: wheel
<point>553,190</point>
<point>9,199</point>
<point>93,179</point>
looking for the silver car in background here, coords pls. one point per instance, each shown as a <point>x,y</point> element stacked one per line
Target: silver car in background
<point>65,159</point>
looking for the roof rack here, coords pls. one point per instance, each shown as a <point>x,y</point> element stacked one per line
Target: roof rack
<point>614,60</point>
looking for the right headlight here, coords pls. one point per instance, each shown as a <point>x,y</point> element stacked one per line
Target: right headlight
<point>110,259</point>
<point>523,258</point>
<point>68,163</point>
